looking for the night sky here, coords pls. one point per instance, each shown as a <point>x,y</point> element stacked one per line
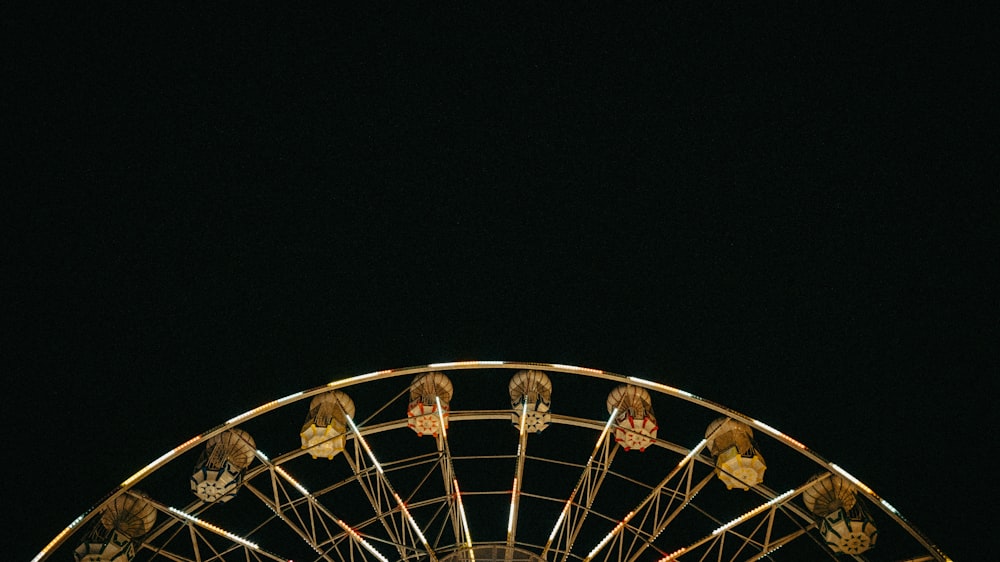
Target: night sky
<point>780,212</point>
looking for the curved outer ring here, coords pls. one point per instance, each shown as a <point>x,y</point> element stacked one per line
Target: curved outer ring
<point>467,365</point>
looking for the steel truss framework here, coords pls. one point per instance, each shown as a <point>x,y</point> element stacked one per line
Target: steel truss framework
<point>484,486</point>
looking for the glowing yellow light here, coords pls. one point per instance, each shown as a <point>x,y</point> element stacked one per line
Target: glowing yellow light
<point>264,408</point>
<point>457,364</point>
<point>356,379</point>
<point>163,458</point>
<point>578,369</point>
<point>52,544</point>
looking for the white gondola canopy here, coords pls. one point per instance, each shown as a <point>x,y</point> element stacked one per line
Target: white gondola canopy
<point>530,398</point>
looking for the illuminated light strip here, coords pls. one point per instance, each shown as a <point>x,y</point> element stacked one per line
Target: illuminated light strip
<point>687,458</point>
<point>343,382</point>
<point>562,515</point>
<point>214,529</point>
<point>413,522</point>
<point>513,506</point>
<point>347,528</point>
<point>515,491</point>
<point>521,429</point>
<point>578,369</point>
<point>777,433</point>
<point>755,511</point>
<point>853,480</point>
<point>692,453</point>
<point>355,379</point>
<point>604,433</point>
<point>55,542</point>
<point>364,444</point>
<point>264,407</point>
<point>163,458</point>
<point>354,534</point>
<point>461,511</point>
<point>464,364</point>
<point>458,492</point>
<point>890,508</point>
<point>569,502</point>
<point>674,554</point>
<point>768,553</point>
<point>399,501</point>
<point>444,430</point>
<point>524,417</point>
<point>661,387</point>
<point>610,535</point>
<point>292,481</point>
<point>677,391</point>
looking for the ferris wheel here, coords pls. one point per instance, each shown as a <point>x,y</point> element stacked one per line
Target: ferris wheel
<point>491,461</point>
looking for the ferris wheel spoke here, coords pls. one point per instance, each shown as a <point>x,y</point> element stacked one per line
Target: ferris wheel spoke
<point>197,527</point>
<point>388,489</point>
<point>574,512</point>
<point>379,497</point>
<point>626,513</point>
<point>667,505</point>
<point>530,392</point>
<point>658,509</point>
<point>308,532</point>
<point>459,522</point>
<point>319,517</point>
<point>515,493</point>
<point>764,514</point>
<point>650,505</point>
<point>774,544</point>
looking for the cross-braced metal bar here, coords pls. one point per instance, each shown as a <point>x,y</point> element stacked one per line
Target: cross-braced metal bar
<point>574,512</point>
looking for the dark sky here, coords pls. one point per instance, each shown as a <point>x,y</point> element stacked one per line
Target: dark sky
<point>777,211</point>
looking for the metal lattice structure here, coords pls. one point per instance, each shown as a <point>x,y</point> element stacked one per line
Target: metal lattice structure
<point>481,488</point>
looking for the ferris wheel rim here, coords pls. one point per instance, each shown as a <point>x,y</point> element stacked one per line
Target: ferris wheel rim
<point>350,381</point>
